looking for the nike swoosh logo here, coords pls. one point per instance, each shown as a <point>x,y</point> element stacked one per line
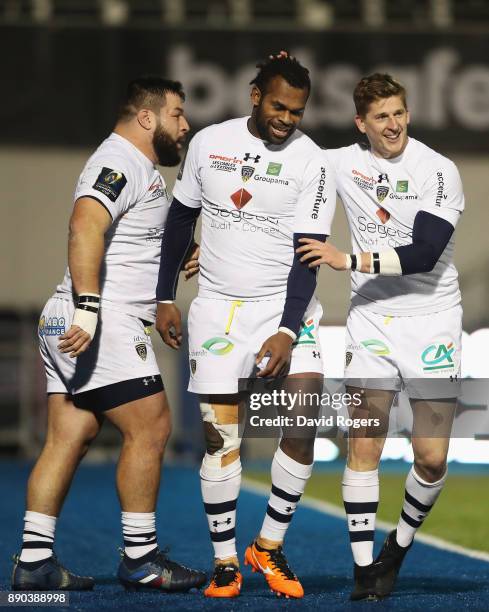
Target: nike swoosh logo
<point>265,570</point>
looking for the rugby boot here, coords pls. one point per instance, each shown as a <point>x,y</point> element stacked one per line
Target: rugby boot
<point>364,577</point>
<point>47,575</point>
<point>273,565</point>
<point>225,582</point>
<point>156,571</point>
<point>388,564</point>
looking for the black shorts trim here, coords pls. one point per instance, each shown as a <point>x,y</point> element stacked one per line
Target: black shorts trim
<point>111,396</point>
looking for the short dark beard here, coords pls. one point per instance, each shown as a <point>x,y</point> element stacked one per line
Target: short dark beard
<point>166,148</point>
<point>264,131</point>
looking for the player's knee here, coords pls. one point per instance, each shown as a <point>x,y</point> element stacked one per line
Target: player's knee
<point>364,454</point>
<point>213,469</point>
<point>299,449</point>
<point>221,435</point>
<point>431,466</point>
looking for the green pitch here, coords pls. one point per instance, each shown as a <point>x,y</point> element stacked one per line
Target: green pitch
<point>460,515</point>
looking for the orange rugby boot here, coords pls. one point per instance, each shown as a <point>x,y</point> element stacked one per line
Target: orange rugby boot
<point>273,565</point>
<point>225,582</point>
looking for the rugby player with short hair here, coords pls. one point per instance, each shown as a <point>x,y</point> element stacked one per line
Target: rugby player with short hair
<point>97,352</point>
<point>260,184</point>
<point>403,201</point>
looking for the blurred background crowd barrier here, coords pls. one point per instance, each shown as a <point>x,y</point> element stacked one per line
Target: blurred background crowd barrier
<point>64,64</point>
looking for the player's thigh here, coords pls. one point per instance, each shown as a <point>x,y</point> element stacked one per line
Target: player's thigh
<point>219,345</point>
<point>145,417</point>
<point>371,354</point>
<point>68,424</point>
<point>432,359</point>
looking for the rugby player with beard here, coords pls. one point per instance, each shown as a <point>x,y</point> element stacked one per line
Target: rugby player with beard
<point>95,344</point>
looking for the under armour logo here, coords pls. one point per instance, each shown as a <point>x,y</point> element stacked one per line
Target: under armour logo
<point>226,522</point>
<point>316,354</point>
<point>146,381</point>
<point>453,378</point>
<point>383,177</point>
<point>255,158</point>
<point>289,509</point>
<point>354,522</point>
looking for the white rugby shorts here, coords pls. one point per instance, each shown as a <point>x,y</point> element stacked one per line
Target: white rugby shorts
<point>226,335</point>
<point>387,351</point>
<point>121,350</point>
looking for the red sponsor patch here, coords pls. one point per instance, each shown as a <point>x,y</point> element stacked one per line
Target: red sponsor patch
<point>383,215</point>
<point>240,198</point>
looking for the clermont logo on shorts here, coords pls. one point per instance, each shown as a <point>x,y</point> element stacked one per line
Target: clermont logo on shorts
<point>141,350</point>
<point>438,357</point>
<point>193,366</point>
<point>348,358</point>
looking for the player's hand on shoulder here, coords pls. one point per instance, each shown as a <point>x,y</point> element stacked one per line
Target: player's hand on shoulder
<point>169,324</point>
<point>316,253</point>
<point>277,348</point>
<point>75,341</point>
<point>191,262</point>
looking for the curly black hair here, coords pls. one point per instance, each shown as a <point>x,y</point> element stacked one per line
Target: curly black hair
<point>289,68</point>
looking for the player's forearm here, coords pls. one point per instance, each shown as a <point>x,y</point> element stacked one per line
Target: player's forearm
<point>85,252</point>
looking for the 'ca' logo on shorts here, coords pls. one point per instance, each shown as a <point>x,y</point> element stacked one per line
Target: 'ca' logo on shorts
<point>142,351</point>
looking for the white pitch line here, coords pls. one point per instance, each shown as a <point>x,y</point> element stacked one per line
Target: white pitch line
<point>259,488</point>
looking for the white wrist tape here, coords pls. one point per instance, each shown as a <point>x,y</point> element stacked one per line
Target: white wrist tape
<point>288,331</point>
<point>348,261</point>
<point>86,313</point>
<point>390,265</point>
<point>166,302</point>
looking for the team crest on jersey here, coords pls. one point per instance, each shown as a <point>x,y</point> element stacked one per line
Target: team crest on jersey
<point>246,173</point>
<point>141,350</point>
<point>240,198</point>
<point>382,191</point>
<point>110,183</point>
<point>383,215</point>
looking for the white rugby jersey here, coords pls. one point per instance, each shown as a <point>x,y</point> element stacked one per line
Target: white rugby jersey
<point>130,187</point>
<point>381,198</point>
<point>254,197</point>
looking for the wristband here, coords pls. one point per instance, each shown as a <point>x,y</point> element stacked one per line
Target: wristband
<point>166,302</point>
<point>86,313</point>
<point>354,262</point>
<point>288,331</point>
<point>348,261</point>
<point>376,263</point>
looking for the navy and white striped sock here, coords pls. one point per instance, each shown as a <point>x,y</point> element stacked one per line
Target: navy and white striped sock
<point>220,489</point>
<point>289,478</point>
<point>139,531</point>
<point>38,537</point>
<point>361,500</point>
<point>419,498</point>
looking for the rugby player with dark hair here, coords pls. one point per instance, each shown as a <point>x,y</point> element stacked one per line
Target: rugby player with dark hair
<point>403,201</point>
<point>97,352</point>
<point>261,184</point>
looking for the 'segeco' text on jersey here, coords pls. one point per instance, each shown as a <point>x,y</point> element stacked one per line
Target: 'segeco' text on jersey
<point>381,198</point>
<point>254,197</point>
